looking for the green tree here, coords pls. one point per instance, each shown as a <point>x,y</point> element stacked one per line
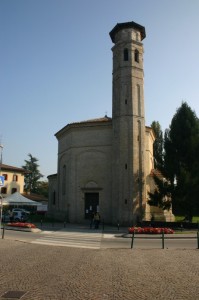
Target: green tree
<point>180,165</point>
<point>161,197</point>
<point>158,145</point>
<point>181,160</point>
<point>33,174</point>
<point>42,188</point>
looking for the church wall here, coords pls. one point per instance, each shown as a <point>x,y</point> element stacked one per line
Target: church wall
<point>52,201</point>
<point>93,174</point>
<point>149,140</point>
<point>85,157</point>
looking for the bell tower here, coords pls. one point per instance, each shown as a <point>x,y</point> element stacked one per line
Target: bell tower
<point>128,144</point>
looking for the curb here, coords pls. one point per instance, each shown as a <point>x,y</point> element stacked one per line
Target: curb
<point>23,229</point>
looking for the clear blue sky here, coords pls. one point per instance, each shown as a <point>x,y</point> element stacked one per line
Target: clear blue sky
<point>56,67</point>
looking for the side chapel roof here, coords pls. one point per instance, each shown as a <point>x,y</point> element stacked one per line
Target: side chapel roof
<point>92,122</point>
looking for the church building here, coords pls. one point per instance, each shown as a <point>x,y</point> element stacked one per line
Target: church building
<point>105,164</point>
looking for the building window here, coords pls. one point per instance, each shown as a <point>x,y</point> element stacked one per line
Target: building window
<point>126,54</point>
<point>14,190</point>
<point>125,201</point>
<point>5,176</point>
<point>125,101</point>
<point>126,166</point>
<point>136,56</point>
<point>15,178</point>
<point>4,190</point>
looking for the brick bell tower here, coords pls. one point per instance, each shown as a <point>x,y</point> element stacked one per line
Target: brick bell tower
<point>128,145</point>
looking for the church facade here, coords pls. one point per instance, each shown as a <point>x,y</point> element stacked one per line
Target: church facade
<point>105,164</point>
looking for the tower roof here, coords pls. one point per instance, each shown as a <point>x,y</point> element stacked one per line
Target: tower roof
<point>120,26</point>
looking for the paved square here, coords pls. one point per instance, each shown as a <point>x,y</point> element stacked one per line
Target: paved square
<point>50,273</point>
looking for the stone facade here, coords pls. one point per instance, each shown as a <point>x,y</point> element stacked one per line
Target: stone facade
<point>103,163</point>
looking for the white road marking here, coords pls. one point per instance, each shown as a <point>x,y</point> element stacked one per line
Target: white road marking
<point>71,239</point>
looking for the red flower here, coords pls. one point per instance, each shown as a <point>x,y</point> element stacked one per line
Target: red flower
<point>151,230</point>
<point>21,224</point>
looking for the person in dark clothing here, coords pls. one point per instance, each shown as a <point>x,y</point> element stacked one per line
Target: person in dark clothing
<point>96,220</point>
<point>91,219</point>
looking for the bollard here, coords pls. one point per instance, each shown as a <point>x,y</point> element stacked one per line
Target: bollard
<point>132,239</point>
<point>162,239</point>
<point>198,238</point>
<point>103,224</point>
<point>3,232</point>
<point>41,222</point>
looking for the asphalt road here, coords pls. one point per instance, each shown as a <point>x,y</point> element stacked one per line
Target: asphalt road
<point>85,238</point>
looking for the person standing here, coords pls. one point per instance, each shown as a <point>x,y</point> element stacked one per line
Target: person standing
<point>91,219</point>
<point>97,220</point>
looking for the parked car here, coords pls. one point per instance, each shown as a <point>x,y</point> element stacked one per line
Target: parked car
<point>18,216</point>
<point>20,209</point>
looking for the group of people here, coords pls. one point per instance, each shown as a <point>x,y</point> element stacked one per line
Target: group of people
<point>95,220</point>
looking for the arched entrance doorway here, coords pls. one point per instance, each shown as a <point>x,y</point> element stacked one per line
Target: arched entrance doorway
<point>91,203</point>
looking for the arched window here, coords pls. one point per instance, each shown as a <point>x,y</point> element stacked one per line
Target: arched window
<point>126,54</point>
<point>64,180</point>
<point>136,55</point>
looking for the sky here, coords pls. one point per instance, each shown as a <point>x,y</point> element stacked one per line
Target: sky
<point>56,67</point>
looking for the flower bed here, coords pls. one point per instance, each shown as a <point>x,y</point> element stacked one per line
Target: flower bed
<point>150,230</point>
<point>21,225</point>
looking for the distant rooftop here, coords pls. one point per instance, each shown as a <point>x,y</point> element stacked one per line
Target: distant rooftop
<point>11,168</point>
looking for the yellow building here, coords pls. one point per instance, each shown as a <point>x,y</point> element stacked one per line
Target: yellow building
<point>13,179</point>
